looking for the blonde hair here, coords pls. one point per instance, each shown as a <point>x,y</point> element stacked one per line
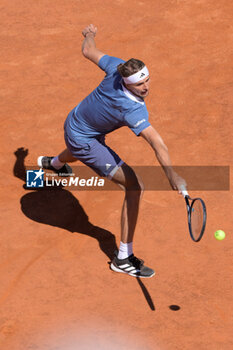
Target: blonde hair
<point>130,67</point>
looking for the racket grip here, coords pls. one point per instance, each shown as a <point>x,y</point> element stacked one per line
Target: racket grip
<point>184,191</point>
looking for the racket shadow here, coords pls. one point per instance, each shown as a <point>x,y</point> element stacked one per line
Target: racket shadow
<point>146,294</point>
<point>58,207</point>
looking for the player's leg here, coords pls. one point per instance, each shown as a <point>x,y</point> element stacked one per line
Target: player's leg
<point>56,165</point>
<point>125,261</point>
<point>133,187</point>
<point>66,157</point>
<point>59,163</point>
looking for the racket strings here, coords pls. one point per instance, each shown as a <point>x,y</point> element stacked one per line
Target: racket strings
<point>197,218</point>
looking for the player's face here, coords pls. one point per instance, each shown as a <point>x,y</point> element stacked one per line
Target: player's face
<point>140,88</point>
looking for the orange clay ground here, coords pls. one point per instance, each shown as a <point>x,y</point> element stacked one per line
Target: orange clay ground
<point>56,290</point>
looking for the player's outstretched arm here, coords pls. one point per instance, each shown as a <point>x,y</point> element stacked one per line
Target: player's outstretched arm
<point>89,49</point>
<point>161,152</point>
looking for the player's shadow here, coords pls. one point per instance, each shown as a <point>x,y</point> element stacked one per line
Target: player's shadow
<point>58,207</point>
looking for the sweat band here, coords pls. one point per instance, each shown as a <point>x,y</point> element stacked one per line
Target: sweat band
<point>136,77</point>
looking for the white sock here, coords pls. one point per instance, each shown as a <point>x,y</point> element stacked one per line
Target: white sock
<point>55,162</point>
<point>125,250</point>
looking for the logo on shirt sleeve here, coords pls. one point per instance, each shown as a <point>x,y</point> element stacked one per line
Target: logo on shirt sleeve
<point>139,123</point>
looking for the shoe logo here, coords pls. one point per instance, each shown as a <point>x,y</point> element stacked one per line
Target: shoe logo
<point>35,178</point>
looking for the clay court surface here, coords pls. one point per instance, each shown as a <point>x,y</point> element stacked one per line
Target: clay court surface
<point>57,291</point>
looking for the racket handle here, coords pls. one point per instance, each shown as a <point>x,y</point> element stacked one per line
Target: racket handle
<point>184,191</point>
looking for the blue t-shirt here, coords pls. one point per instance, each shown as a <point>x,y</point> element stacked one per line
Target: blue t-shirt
<point>107,108</point>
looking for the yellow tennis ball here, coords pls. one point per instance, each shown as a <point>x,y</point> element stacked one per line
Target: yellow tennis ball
<point>219,235</point>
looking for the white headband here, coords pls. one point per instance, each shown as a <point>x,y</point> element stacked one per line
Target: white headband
<point>135,78</point>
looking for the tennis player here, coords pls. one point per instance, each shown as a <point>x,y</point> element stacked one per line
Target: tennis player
<point>118,101</point>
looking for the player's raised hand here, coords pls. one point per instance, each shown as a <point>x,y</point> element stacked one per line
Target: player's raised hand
<point>89,29</point>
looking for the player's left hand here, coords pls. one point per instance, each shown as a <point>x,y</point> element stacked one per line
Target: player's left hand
<point>89,29</point>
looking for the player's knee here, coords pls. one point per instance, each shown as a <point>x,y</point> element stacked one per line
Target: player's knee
<point>127,179</point>
<point>135,184</point>
<point>132,181</point>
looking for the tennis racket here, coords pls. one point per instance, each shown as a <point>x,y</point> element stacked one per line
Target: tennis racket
<point>196,211</point>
